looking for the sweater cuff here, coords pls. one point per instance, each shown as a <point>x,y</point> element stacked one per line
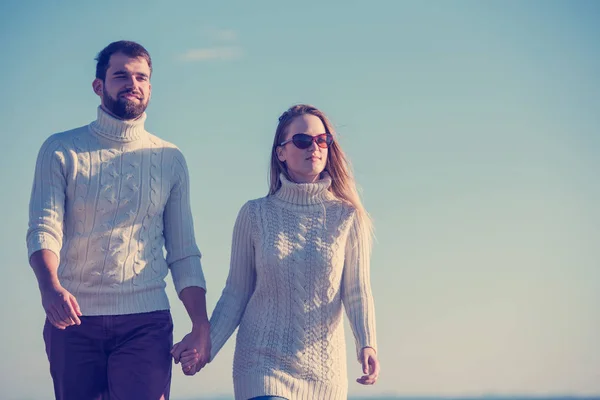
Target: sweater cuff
<point>186,273</point>
<point>361,344</point>
<point>42,241</point>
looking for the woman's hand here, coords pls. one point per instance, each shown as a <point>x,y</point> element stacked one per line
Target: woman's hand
<point>370,366</point>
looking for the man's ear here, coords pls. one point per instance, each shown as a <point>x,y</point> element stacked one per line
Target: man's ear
<point>98,85</point>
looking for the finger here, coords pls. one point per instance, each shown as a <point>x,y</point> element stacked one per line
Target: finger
<point>200,362</point>
<point>375,366</point>
<point>188,355</point>
<point>189,370</point>
<point>365,363</point>
<point>373,370</point>
<point>55,319</point>
<point>52,320</point>
<point>59,313</point>
<point>62,314</point>
<point>188,365</point>
<point>189,352</point>
<point>366,380</point>
<point>188,361</point>
<point>76,311</point>
<point>75,305</point>
<point>177,350</point>
<point>371,377</point>
<point>68,307</point>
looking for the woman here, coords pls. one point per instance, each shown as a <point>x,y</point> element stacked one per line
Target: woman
<point>298,254</point>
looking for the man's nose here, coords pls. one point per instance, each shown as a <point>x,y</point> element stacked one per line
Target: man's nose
<point>131,82</point>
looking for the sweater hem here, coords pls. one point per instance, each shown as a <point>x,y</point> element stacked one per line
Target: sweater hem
<point>122,304</point>
<point>278,383</point>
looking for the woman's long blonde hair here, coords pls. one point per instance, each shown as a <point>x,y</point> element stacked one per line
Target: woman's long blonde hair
<point>343,185</point>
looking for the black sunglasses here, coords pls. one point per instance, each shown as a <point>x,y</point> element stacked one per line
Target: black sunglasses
<point>304,141</point>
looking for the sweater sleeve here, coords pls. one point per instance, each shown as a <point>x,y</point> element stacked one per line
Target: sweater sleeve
<point>183,255</point>
<point>47,203</point>
<point>356,289</point>
<point>239,285</point>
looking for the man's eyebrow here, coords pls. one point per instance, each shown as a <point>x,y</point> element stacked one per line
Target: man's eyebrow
<point>123,72</point>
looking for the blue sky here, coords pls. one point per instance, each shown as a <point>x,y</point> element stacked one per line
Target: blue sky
<point>473,128</point>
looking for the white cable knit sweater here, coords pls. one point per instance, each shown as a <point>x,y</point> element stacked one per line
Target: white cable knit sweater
<point>296,258</point>
<point>107,198</point>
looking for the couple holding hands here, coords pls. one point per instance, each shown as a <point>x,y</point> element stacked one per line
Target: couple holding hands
<point>109,197</point>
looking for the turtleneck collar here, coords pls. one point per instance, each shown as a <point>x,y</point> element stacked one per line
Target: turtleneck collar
<point>118,130</point>
<point>305,193</point>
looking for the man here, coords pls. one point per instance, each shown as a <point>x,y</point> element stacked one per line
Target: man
<point>107,197</point>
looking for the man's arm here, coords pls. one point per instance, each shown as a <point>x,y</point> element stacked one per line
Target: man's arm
<point>44,236</point>
<point>183,258</point>
<point>183,255</point>
<point>60,306</point>
<point>239,287</point>
<point>194,300</point>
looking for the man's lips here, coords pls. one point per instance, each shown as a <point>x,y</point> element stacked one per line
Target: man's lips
<point>130,96</point>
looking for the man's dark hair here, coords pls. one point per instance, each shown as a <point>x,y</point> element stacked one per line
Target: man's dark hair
<point>130,49</point>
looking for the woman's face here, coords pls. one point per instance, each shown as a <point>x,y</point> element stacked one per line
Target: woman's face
<point>304,165</point>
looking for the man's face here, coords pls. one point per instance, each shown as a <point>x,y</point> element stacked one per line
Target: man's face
<point>125,92</point>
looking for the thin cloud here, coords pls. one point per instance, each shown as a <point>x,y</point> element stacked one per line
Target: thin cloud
<point>224,35</point>
<point>212,54</point>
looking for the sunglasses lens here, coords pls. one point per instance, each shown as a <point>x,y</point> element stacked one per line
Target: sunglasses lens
<point>324,141</point>
<point>302,141</point>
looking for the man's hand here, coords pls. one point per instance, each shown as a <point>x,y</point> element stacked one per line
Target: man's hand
<point>60,306</point>
<point>194,349</point>
<point>370,366</point>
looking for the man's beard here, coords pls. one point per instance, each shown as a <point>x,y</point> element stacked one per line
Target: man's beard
<point>123,108</point>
